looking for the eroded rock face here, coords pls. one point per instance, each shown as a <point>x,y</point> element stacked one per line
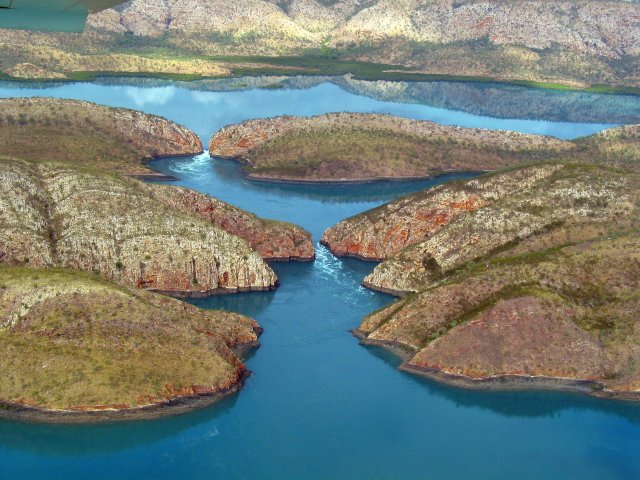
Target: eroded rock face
<point>273,240</point>
<point>607,29</point>
<point>117,139</point>
<point>383,232</point>
<point>87,345</point>
<point>557,318</point>
<point>424,236</point>
<point>362,147</point>
<point>57,215</point>
<point>584,43</point>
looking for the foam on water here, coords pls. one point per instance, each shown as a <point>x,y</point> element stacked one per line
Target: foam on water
<point>195,167</point>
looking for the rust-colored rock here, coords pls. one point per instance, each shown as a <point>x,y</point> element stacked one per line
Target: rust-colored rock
<point>272,239</point>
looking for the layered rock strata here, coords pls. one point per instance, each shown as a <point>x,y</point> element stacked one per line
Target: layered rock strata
<point>58,215</point>
<point>272,239</point>
<point>523,278</point>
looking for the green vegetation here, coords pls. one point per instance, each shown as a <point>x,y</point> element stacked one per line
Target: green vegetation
<point>113,139</point>
<point>354,153</point>
<point>69,339</point>
<point>540,277</point>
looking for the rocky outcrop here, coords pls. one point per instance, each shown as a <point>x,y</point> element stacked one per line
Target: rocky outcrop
<point>557,318</point>
<point>555,205</point>
<point>607,29</point>
<point>117,139</point>
<point>57,215</point>
<point>96,350</point>
<point>363,147</point>
<point>121,141</point>
<point>272,239</point>
<point>384,231</point>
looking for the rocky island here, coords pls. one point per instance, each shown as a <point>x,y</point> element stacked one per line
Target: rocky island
<point>351,147</point>
<point>524,277</point>
<point>77,348</point>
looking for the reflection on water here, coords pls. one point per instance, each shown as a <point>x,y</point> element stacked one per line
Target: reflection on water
<point>52,440</point>
<point>527,404</point>
<point>206,110</point>
<point>482,99</point>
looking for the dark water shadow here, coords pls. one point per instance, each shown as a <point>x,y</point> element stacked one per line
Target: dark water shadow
<point>383,190</point>
<point>249,303</point>
<point>523,404</point>
<point>61,440</point>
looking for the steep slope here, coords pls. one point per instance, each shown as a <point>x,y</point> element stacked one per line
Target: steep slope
<point>559,204</point>
<point>58,215</point>
<point>122,141</point>
<point>384,231</point>
<point>272,239</point>
<point>524,278</point>
<point>117,139</point>
<point>75,345</point>
<point>559,318</point>
<point>363,147</point>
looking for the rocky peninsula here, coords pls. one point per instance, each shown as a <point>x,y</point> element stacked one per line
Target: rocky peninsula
<point>524,277</point>
<point>64,216</point>
<point>77,348</point>
<point>274,240</point>
<point>115,139</point>
<point>351,147</point>
<point>559,318</point>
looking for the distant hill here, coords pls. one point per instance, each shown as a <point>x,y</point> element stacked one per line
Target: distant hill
<point>575,42</point>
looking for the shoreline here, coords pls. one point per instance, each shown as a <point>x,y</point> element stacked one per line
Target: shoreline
<point>326,244</point>
<point>388,291</point>
<point>387,73</point>
<point>156,176</point>
<point>347,181</point>
<point>338,182</point>
<point>508,382</point>
<point>105,414</point>
<point>290,259</point>
<point>213,292</point>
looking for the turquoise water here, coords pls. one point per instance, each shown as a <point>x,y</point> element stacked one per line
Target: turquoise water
<point>319,405</point>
